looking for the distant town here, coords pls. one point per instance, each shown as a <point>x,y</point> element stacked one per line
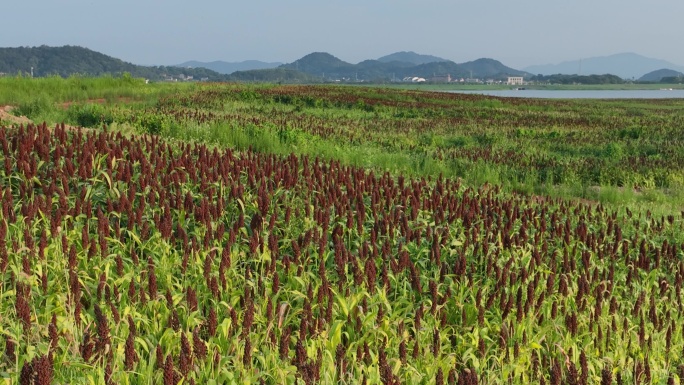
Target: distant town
<point>511,80</point>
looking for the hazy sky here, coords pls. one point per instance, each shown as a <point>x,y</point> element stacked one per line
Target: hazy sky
<point>518,33</point>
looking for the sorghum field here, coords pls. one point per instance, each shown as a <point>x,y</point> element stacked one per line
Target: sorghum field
<point>324,235</point>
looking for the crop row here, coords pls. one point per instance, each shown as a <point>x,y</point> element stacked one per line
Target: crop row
<point>147,261</point>
<point>545,141</point>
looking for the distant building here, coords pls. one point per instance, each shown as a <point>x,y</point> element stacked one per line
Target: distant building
<point>515,81</point>
<point>441,79</point>
<point>414,79</point>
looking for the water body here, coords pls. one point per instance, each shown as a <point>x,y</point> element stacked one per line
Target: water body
<point>581,94</point>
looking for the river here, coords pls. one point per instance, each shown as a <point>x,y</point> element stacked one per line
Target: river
<point>580,94</point>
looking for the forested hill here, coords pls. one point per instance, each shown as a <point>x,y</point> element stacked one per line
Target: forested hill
<point>327,66</point>
<point>72,60</point>
<point>578,79</point>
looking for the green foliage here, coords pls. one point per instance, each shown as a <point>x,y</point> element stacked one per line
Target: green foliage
<point>90,115</point>
<point>274,75</point>
<point>630,133</point>
<point>431,140</point>
<point>613,151</point>
<point>249,96</point>
<point>153,123</point>
<point>16,91</point>
<point>578,79</point>
<point>34,108</point>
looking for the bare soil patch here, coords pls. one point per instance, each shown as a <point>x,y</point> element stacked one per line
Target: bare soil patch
<point>6,116</point>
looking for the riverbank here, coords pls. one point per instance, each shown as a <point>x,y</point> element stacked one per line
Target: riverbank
<point>549,87</point>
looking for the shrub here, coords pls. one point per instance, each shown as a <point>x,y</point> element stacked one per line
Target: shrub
<point>34,108</point>
<point>613,151</point>
<point>90,115</point>
<point>153,124</point>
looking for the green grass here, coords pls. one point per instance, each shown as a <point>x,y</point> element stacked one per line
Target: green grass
<point>44,99</point>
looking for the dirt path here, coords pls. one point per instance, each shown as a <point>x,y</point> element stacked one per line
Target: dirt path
<point>5,116</point>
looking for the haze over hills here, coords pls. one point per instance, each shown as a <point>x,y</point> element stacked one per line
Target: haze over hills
<point>410,57</point>
<point>625,65</point>
<point>228,68</point>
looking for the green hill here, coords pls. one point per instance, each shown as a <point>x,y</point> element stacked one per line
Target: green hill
<point>658,75</point>
<point>486,67</point>
<point>72,60</point>
<point>322,64</point>
<point>327,66</point>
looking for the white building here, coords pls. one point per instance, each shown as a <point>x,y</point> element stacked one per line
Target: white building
<point>515,81</point>
<point>414,79</point>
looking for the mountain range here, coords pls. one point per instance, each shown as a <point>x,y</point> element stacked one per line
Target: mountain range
<point>397,66</point>
<point>320,66</point>
<point>624,65</point>
<point>73,60</point>
<point>228,68</point>
<point>324,66</point>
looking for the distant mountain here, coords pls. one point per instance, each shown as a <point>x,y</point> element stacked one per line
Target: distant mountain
<point>72,60</point>
<point>318,66</point>
<point>625,65</point>
<point>273,75</point>
<point>488,68</point>
<point>227,68</point>
<point>329,67</point>
<point>410,57</point>
<point>317,63</point>
<point>658,75</point>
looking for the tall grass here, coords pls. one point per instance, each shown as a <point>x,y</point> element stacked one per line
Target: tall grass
<point>44,98</point>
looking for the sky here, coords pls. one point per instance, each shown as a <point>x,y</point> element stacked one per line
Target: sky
<point>517,33</point>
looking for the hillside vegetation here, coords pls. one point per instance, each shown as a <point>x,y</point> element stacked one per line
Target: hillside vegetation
<point>663,75</point>
<point>323,64</point>
<point>71,60</point>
